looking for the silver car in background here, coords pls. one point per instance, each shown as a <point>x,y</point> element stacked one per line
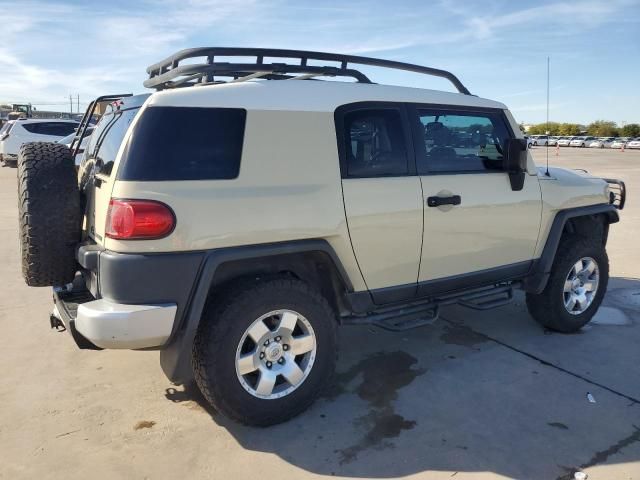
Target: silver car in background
<point>581,141</point>
<point>619,142</point>
<point>603,142</point>
<point>538,140</point>
<point>565,141</point>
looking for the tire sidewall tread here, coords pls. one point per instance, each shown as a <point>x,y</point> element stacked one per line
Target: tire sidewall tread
<point>227,316</point>
<point>49,213</point>
<point>547,308</point>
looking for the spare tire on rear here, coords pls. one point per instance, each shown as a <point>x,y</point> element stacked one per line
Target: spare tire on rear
<point>49,214</point>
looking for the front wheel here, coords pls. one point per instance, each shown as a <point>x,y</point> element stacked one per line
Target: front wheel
<point>576,287</point>
<point>265,350</point>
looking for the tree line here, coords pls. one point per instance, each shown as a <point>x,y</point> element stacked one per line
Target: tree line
<point>599,128</point>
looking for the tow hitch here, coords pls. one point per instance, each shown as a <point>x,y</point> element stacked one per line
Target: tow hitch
<point>54,320</point>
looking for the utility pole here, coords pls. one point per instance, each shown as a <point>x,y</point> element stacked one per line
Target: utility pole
<point>78,105</point>
<point>70,104</point>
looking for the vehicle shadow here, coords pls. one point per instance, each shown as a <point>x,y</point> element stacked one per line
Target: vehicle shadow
<point>448,398</point>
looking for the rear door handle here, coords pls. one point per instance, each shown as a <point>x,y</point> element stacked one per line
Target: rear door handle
<point>437,201</point>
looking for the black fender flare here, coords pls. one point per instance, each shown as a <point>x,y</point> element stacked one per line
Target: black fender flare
<point>175,356</point>
<point>536,281</point>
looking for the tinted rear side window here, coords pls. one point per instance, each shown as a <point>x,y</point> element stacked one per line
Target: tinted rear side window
<point>59,129</point>
<point>185,143</point>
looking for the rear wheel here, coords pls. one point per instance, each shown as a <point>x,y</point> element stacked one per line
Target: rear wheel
<point>49,214</point>
<point>576,287</point>
<point>265,350</point>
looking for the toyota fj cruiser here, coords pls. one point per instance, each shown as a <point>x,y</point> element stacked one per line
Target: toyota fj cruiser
<point>234,225</point>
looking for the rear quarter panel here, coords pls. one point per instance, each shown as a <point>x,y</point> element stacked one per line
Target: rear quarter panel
<point>288,189</point>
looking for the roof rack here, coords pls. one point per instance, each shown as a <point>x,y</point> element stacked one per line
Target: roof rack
<point>170,73</point>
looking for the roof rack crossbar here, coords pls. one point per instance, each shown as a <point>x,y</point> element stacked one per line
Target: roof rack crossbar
<point>170,73</point>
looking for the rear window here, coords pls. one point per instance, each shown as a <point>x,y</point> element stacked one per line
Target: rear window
<point>107,137</point>
<point>57,129</point>
<point>185,143</point>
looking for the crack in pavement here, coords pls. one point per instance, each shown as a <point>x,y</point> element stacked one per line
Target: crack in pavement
<point>544,362</point>
<point>598,457</point>
<point>603,455</point>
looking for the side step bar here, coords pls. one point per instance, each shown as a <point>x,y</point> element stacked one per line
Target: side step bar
<point>419,313</point>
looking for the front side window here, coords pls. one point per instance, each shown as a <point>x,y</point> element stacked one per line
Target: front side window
<point>375,143</point>
<point>462,141</point>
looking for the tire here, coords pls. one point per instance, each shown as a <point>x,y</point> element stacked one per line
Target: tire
<point>227,319</point>
<point>548,308</point>
<point>49,214</point>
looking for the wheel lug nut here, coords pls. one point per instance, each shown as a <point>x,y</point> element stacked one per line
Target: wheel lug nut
<point>281,360</point>
<point>278,339</point>
<point>269,364</point>
<point>261,355</point>
<point>266,343</point>
<point>285,347</point>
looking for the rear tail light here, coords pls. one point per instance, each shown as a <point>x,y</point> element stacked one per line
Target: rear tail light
<point>139,220</point>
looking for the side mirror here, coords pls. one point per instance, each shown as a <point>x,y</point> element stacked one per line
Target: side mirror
<point>515,161</point>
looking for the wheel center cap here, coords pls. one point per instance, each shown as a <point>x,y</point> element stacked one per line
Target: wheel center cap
<point>274,352</point>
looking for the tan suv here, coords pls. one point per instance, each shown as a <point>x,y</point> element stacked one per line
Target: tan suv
<point>234,225</point>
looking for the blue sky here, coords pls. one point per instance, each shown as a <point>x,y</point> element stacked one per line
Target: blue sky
<point>498,48</point>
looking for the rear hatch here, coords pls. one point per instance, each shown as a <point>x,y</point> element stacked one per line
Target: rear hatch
<point>97,173</point>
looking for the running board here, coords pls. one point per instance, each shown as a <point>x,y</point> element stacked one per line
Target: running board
<point>419,313</point>
<point>397,319</point>
<point>488,299</point>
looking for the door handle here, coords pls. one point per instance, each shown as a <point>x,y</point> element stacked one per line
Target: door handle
<point>437,201</point>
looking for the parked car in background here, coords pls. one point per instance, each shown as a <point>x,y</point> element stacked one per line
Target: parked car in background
<point>618,143</point>
<point>539,140</point>
<point>30,130</point>
<point>635,143</point>
<point>581,141</point>
<point>553,141</point>
<point>565,141</point>
<point>69,138</point>
<point>603,142</point>
<point>4,133</point>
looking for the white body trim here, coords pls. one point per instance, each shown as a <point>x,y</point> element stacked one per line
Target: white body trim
<point>113,325</point>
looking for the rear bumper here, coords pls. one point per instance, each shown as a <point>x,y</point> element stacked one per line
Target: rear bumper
<point>115,325</point>
<point>98,324</point>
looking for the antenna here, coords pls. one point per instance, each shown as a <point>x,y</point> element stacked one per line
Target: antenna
<point>547,131</point>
